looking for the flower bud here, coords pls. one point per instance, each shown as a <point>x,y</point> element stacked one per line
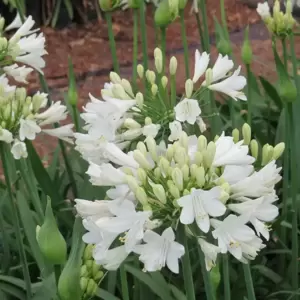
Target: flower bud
<point>246,130</point>
<point>140,70</point>
<point>3,42</point>
<point>150,75</point>
<point>224,46</point>
<point>141,196</point>
<point>173,65</point>
<point>83,283</point>
<point>254,148</point>
<point>224,196</point>
<point>98,276</point>
<point>164,81</point>
<point>163,15</point>
<point>154,89</point>
<point>132,183</point>
<point>184,140</point>
<point>164,165</point>
<point>148,121</point>
<point>127,86</point>
<point>95,268</point>
<point>91,288</point>
<point>270,153</point>
<point>209,154</point>
<point>89,265</point>
<point>141,160</point>
<point>158,60</point>
<point>139,99</point>
<point>141,146</point>
<point>142,175</point>
<point>189,87</point>
<point>182,4</point>
<point>180,156</point>
<point>278,150</point>
<point>208,77</point>
<point>119,92</point>
<point>160,193</point>
<point>236,135</point>
<point>193,170</point>
<point>88,252</point>
<point>265,154</point>
<point>157,172</point>
<point>2,23</point>
<point>198,158</point>
<point>174,191</point>
<point>114,77</point>
<point>170,153</point>
<point>131,124</point>
<point>177,178</point>
<point>108,5</point>
<point>287,91</point>
<point>151,145</point>
<point>50,240</point>
<point>185,172</point>
<point>202,143</point>
<point>200,177</point>
<point>84,271</point>
<point>246,49</point>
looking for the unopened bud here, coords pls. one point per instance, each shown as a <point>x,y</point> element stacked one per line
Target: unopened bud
<point>83,283</point>
<point>177,178</point>
<point>209,154</point>
<point>189,87</point>
<point>114,77</point>
<point>151,145</point>
<point>154,89</point>
<point>158,60</point>
<point>91,287</point>
<point>131,124</point>
<point>174,191</point>
<point>208,77</point>
<point>142,147</point>
<point>88,252</point>
<point>198,158</point>
<point>127,87</point>
<point>163,16</point>
<point>148,121</point>
<point>132,183</point>
<point>278,150</point>
<point>265,154</point>
<point>150,75</point>
<point>288,91</point>
<point>254,148</point>
<point>141,196</point>
<point>157,172</point>
<point>140,70</point>
<point>83,271</point>
<point>141,160</point>
<point>180,156</point>
<point>170,153</point>
<point>193,170</point>
<point>246,130</point>
<point>98,276</point>
<point>246,49</point>
<point>164,164</point>
<point>119,92</point>
<point>164,81</point>
<point>160,193</point>
<point>185,172</point>
<point>142,175</point>
<point>202,143</point>
<point>173,65</point>
<point>236,135</point>
<point>200,177</point>
<point>139,99</point>
<point>224,46</point>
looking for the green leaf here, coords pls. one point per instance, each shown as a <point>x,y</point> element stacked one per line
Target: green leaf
<point>178,294</point>
<point>147,280</point>
<point>271,92</point>
<point>56,13</point>
<point>12,290</point>
<point>103,294</point>
<point>14,281</point>
<point>46,289</point>
<point>268,273</point>
<point>69,7</point>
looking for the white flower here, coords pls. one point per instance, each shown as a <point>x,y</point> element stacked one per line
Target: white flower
<point>263,10</point>
<point>33,60</point>
<point>199,205</point>
<point>6,136</point>
<point>233,235</point>
<point>63,132</point>
<point>19,150</point>
<point>201,64</point>
<point>18,73</point>
<point>55,113</point>
<point>25,29</point>
<point>28,129</point>
<point>16,23</point>
<point>151,130</point>
<point>201,124</point>
<point>210,253</point>
<point>250,249</point>
<point>160,250</point>
<point>103,128</point>
<point>258,184</point>
<point>230,153</point>
<point>96,209</point>
<point>232,174</point>
<point>187,110</point>
<point>105,175</point>
<point>258,211</point>
<point>5,88</point>
<point>119,191</point>
<point>113,258</point>
<point>176,130</point>
<point>231,86</point>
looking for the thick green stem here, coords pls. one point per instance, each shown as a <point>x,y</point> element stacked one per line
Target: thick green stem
<point>124,283</point>
<point>21,9</point>
<point>144,34</point>
<point>76,118</point>
<point>226,277</point>
<point>186,266</point>
<point>112,42</point>
<point>200,30</point>
<point>249,96</point>
<point>16,221</point>
<point>206,45</point>
<point>223,18</point>
<point>185,44</point>
<point>135,46</point>
<point>163,47</point>
<point>232,112</point>
<point>209,291</point>
<point>249,282</point>
<point>173,91</point>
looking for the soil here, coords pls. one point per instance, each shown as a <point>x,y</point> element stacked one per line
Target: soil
<point>88,47</point>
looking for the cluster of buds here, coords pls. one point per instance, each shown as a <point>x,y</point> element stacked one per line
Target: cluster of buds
<point>281,23</point>
<point>90,274</point>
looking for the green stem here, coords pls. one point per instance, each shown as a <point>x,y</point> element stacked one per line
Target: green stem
<point>185,44</point>
<point>135,46</point>
<point>209,291</point>
<point>16,222</point>
<point>249,100</point>
<point>223,18</point>
<point>285,54</point>
<point>200,30</point>
<point>163,47</point>
<point>112,42</point>
<point>173,91</point>
<point>226,277</point>
<point>21,9</point>
<point>232,112</point>
<point>57,272</point>
<point>186,266</point>
<point>144,34</point>
<point>76,118</point>
<point>206,45</point>
<point>124,284</point>
<point>249,282</point>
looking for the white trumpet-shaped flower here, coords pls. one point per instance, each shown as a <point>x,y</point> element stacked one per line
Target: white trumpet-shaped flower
<point>231,86</point>
<point>160,250</point>
<point>64,133</point>
<point>6,136</point>
<point>176,130</point>
<point>230,153</point>
<point>201,64</point>
<point>199,205</point>
<point>18,73</point>
<point>210,253</point>
<point>187,110</point>
<point>19,150</point>
<point>113,258</point>
<point>263,9</point>
<point>16,23</point>
<point>55,113</point>
<point>28,129</point>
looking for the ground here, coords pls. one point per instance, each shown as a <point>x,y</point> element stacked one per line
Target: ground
<point>88,47</point>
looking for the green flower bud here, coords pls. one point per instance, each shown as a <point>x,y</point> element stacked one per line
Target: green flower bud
<point>141,160</point>
<point>209,154</point>
<point>208,77</point>
<point>174,191</point>
<point>158,60</point>
<point>50,240</point>
<point>140,70</point>
<point>154,89</point>
<point>132,183</point>
<point>150,75</point>
<point>114,77</point>
<point>173,65</point>
<point>157,172</point>
<point>139,99</point>
<point>163,14</point>
<point>254,148</point>
<point>189,87</point>
<point>170,153</point>
<point>2,23</point>
<point>148,121</point>
<point>160,193</point>
<point>131,124</point>
<point>184,140</point>
<point>95,268</point>
<point>98,276</point>
<point>246,49</point>
<point>3,43</point>
<point>180,156</point>
<point>108,5</point>
<point>186,192</point>
<point>246,130</point>
<point>127,86</point>
<point>119,92</point>
<point>151,145</point>
<point>142,175</point>
<point>236,135</point>
<point>224,46</point>
<point>89,264</point>
<point>177,178</point>
<point>198,158</point>
<point>84,283</point>
<point>270,153</point>
<point>182,4</point>
<point>202,143</point>
<point>185,172</point>
<point>164,81</point>
<point>193,170</point>
<point>200,177</point>
<point>278,150</point>
<point>91,287</point>
<point>287,91</point>
<point>142,147</point>
<point>265,154</point>
<point>84,271</point>
<point>164,165</point>
<point>134,3</point>
<point>141,196</point>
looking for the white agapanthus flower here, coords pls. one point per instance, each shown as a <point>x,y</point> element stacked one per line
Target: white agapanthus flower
<point>18,73</point>
<point>19,150</point>
<point>263,9</point>
<point>64,133</point>
<point>160,250</point>
<point>210,253</point>
<point>201,64</point>
<point>187,110</point>
<point>176,130</point>
<point>16,23</point>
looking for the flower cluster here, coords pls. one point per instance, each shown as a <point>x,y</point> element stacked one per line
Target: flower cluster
<point>25,47</point>
<point>280,24</point>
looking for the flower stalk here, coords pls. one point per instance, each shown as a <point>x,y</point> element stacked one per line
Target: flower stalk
<point>135,46</point>
<point>249,282</point>
<point>185,44</point>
